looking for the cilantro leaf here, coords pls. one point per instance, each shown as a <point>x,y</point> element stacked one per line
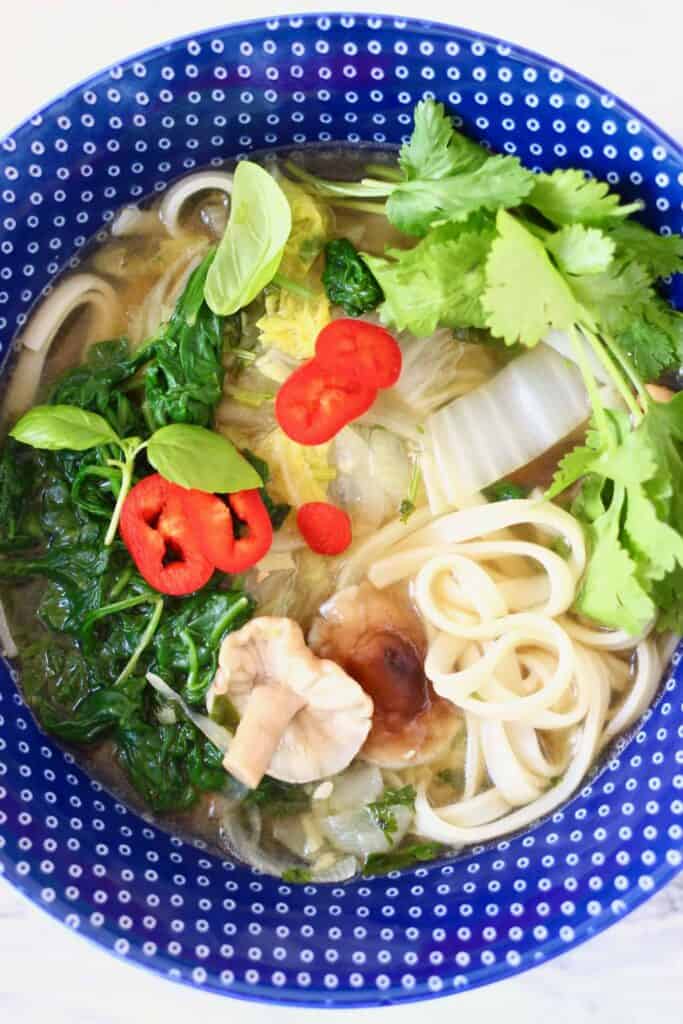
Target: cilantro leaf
<point>581,250</point>
<point>415,206</point>
<point>525,295</point>
<point>659,254</point>
<point>654,545</point>
<point>629,461</point>
<point>610,590</point>
<point>670,321</point>
<point>662,430</point>
<point>575,464</point>
<point>652,336</point>
<point>631,506</point>
<point>569,197</point>
<point>440,281</point>
<point>667,597</point>
<point>614,297</point>
<point>648,347</point>
<point>382,809</point>
<point>435,149</point>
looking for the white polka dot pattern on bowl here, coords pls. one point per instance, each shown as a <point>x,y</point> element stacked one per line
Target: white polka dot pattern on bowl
<point>148,896</point>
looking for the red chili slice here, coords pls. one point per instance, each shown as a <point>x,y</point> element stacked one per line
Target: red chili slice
<point>315,402</point>
<point>325,528</point>
<point>212,523</point>
<point>161,540</point>
<point>366,350</point>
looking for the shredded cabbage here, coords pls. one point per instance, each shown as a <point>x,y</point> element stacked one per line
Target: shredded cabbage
<point>292,323</point>
<point>311,226</point>
<point>373,474</point>
<point>438,369</point>
<point>299,473</point>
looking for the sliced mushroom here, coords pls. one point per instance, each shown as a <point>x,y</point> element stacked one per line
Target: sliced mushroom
<point>379,640</point>
<point>302,717</point>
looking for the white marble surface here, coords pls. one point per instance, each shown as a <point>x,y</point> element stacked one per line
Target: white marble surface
<point>630,974</point>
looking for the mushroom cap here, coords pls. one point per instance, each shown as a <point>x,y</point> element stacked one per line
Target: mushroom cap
<point>334,718</point>
<point>380,641</point>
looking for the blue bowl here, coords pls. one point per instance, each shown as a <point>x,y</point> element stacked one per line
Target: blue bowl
<point>71,847</point>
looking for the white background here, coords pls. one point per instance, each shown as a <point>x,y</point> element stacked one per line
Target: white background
<point>634,972</point>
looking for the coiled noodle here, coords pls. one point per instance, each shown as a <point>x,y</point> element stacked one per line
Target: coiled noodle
<point>540,692</point>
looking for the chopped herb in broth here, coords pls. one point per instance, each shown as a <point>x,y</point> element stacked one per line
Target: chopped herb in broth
<point>274,547</point>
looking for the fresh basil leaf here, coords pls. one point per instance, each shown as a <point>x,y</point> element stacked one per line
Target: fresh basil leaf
<point>250,251</point>
<point>199,458</point>
<point>56,427</point>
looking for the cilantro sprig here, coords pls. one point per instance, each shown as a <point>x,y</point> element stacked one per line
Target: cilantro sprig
<point>521,254</point>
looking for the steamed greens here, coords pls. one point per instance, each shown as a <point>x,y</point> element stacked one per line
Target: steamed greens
<point>62,477</point>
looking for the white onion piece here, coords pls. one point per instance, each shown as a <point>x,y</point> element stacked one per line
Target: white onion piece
<point>506,423</point>
<point>297,835</point>
<point>248,849</point>
<point>219,736</point>
<point>343,868</point>
<point>178,194</point>
<point>7,645</point>
<point>358,833</point>
<point>359,784</point>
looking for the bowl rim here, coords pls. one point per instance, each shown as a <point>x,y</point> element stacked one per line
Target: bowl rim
<point>409,22</point>
<point>266,993</point>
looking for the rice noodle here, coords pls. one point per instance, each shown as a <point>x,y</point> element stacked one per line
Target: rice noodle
<point>177,195</point>
<point>160,300</point>
<point>505,650</point>
<point>8,648</point>
<point>76,292</point>
<point>131,220</point>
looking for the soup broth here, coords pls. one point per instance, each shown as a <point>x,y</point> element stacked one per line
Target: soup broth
<point>466,739</point>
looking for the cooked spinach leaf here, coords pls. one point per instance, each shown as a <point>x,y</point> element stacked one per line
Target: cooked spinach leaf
<point>404,857</point>
<point>100,627</point>
<point>348,281</point>
<point>279,799</point>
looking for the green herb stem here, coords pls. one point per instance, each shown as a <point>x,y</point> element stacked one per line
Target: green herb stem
<point>126,481</point>
<point>193,659</point>
<point>362,205</point>
<point>121,583</point>
<point>110,609</point>
<point>232,613</point>
<point>245,354</point>
<point>591,387</point>
<point>617,378</point>
<point>301,290</point>
<point>384,172</point>
<point>144,641</point>
<point>620,357</point>
<point>131,447</point>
